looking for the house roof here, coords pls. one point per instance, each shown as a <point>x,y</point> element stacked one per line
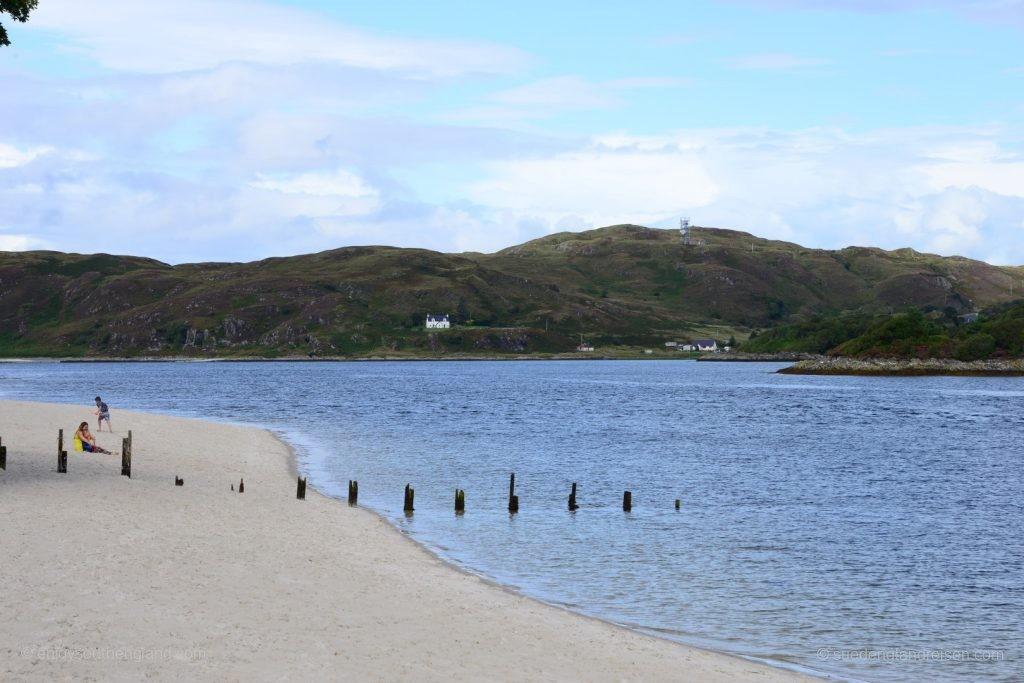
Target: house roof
<point>705,342</point>
<point>437,316</point>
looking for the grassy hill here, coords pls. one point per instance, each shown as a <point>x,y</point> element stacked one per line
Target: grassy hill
<point>623,286</point>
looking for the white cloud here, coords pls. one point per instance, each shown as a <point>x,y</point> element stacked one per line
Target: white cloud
<point>11,156</point>
<point>600,186</point>
<point>332,183</point>
<point>127,35</point>
<point>561,92</point>
<point>21,243</point>
<point>948,190</point>
<point>556,95</point>
<point>954,191</point>
<point>775,61</point>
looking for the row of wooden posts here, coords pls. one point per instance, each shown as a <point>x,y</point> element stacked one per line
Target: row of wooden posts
<point>300,493</point>
<point>513,500</point>
<point>409,504</point>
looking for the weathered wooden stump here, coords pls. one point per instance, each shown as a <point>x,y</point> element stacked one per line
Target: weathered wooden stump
<point>300,491</point>
<point>3,455</point>
<point>178,481</point>
<point>627,501</point>
<point>62,455</point>
<point>460,501</point>
<point>126,458</point>
<point>241,485</point>
<point>353,492</point>
<point>572,499</point>
<point>410,495</point>
<point>513,499</point>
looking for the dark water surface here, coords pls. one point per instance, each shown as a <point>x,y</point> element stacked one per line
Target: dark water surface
<point>870,527</point>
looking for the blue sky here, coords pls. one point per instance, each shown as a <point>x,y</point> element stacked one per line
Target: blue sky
<point>233,130</point>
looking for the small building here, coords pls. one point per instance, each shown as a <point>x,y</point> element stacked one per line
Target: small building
<point>706,344</point>
<point>584,347</point>
<point>968,318</point>
<point>686,347</point>
<point>671,345</point>
<point>437,322</point>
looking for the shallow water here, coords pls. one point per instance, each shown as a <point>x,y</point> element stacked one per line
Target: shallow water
<point>870,527</point>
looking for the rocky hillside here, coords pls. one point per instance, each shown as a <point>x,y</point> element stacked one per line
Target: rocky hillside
<point>622,285</point>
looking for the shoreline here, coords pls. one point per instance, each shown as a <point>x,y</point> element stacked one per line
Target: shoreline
<point>307,560</point>
<point>888,367</point>
<point>342,359</point>
<point>434,554</point>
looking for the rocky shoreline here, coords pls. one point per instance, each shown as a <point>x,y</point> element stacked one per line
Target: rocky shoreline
<point>906,367</point>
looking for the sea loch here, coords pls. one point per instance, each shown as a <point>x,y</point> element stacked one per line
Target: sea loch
<point>867,527</point>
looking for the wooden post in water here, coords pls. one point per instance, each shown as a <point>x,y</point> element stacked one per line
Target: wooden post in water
<point>3,455</point>
<point>460,501</point>
<point>62,455</point>
<point>627,501</point>
<point>513,499</point>
<point>241,485</point>
<point>677,503</point>
<point>353,492</point>
<point>300,491</point>
<point>410,494</point>
<point>572,499</point>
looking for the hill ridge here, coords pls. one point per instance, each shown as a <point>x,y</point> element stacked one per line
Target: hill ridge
<point>623,285</point>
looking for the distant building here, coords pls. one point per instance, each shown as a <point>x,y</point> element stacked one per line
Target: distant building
<point>584,347</point>
<point>968,317</point>
<point>705,344</point>
<point>672,345</point>
<point>437,322</point>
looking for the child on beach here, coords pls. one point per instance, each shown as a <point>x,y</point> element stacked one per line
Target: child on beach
<point>87,440</point>
<point>102,413</point>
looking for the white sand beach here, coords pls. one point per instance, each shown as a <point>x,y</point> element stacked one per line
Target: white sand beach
<point>114,579</point>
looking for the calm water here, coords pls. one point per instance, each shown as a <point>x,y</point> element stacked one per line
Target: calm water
<point>871,527</point>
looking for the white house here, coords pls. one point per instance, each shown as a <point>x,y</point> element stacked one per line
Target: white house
<point>671,345</point>
<point>705,344</point>
<point>437,322</point>
<point>686,347</point>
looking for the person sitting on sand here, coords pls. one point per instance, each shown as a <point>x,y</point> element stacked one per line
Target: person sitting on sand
<point>88,441</point>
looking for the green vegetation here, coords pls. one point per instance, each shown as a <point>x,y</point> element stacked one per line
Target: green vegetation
<point>624,289</point>
<point>998,332</point>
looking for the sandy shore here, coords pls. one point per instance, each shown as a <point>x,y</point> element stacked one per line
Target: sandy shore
<point>106,578</point>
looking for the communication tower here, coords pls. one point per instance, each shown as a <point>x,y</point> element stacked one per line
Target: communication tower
<point>684,230</point>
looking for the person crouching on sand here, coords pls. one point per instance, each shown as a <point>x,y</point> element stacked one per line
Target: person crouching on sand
<point>88,440</point>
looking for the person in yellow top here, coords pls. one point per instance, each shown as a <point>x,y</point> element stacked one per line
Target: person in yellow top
<point>84,441</point>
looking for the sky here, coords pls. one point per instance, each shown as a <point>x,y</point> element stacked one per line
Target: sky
<point>234,130</point>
